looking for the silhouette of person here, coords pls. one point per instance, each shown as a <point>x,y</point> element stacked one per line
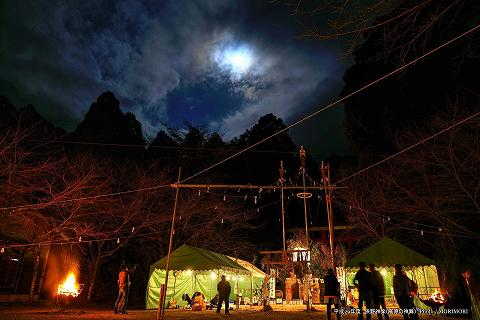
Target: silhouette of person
<point>223,288</point>
<point>378,291</point>
<point>363,281</point>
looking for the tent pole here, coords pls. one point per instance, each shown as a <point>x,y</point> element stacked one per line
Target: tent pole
<point>161,302</point>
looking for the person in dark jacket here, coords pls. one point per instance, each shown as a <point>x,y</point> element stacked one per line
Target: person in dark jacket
<point>363,282</point>
<point>403,288</point>
<point>378,291</point>
<point>223,288</point>
<point>332,293</point>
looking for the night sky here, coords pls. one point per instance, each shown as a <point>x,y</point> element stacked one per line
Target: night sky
<point>219,64</point>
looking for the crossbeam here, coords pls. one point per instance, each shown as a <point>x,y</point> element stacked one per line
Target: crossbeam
<point>248,186</point>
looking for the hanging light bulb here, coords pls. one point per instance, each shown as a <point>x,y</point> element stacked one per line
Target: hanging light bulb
<point>222,220</point>
<point>388,218</point>
<point>118,240</point>
<point>255,199</point>
<point>224,198</point>
<point>208,189</point>
<point>2,250</point>
<point>80,239</point>
<point>421,232</point>
<point>133,229</point>
<point>199,192</point>
<point>440,229</point>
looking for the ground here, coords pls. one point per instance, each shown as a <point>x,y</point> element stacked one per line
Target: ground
<point>45,313</point>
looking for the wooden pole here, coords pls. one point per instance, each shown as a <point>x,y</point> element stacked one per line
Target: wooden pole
<point>325,171</point>
<point>282,180</point>
<point>161,304</point>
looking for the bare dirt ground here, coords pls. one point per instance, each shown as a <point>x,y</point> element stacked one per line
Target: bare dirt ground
<point>45,313</point>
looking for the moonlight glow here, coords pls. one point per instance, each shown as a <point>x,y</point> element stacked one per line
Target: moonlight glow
<point>238,60</point>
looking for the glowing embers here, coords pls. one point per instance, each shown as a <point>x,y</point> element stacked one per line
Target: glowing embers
<point>437,297</point>
<point>69,287</point>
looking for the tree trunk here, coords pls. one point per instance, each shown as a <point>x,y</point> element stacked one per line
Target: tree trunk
<point>36,265</point>
<point>93,278</point>
<point>44,270</point>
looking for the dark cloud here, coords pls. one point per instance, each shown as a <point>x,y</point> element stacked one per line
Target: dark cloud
<point>158,57</point>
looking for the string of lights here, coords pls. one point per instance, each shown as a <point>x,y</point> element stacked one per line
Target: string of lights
<point>118,238</point>
<point>439,229</point>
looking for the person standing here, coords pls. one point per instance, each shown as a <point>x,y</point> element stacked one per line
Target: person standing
<point>403,289</point>
<point>332,293</point>
<point>378,292</point>
<point>122,290</point>
<point>223,288</point>
<point>363,282</point>
<point>130,272</point>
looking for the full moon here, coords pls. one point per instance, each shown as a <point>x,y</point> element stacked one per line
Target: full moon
<point>237,60</point>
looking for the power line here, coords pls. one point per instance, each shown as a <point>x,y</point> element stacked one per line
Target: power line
<point>48,203</point>
<point>313,114</point>
<point>301,120</point>
<point>181,148</point>
<point>410,147</point>
<point>76,241</point>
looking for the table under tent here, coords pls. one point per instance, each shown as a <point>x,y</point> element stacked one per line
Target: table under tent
<point>385,254</point>
<point>194,269</point>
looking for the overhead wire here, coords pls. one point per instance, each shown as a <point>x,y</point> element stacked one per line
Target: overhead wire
<point>347,96</point>
<point>294,124</point>
<point>422,141</point>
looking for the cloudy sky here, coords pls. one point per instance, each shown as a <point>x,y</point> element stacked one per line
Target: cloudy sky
<point>220,64</point>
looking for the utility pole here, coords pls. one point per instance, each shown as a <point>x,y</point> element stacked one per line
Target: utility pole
<point>304,195</point>
<point>164,288</point>
<point>325,171</point>
<point>281,181</point>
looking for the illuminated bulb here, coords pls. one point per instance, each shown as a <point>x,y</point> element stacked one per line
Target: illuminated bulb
<point>228,278</point>
<point>421,232</point>
<point>213,275</point>
<point>224,198</point>
<point>133,229</point>
<point>383,272</point>
<point>440,229</point>
<point>188,272</point>
<point>80,239</point>
<point>222,220</point>
<point>199,193</point>
<point>118,240</point>
<point>255,199</point>
<point>2,250</point>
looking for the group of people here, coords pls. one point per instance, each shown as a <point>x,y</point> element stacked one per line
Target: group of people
<point>197,301</point>
<point>371,290</point>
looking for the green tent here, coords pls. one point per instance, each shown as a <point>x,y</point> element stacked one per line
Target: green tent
<point>194,269</point>
<point>388,252</point>
<point>385,254</point>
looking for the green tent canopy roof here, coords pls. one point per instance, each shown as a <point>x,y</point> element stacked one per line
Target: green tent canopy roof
<point>191,258</point>
<point>388,252</point>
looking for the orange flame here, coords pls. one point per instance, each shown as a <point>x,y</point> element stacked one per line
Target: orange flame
<point>437,297</point>
<point>69,287</point>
